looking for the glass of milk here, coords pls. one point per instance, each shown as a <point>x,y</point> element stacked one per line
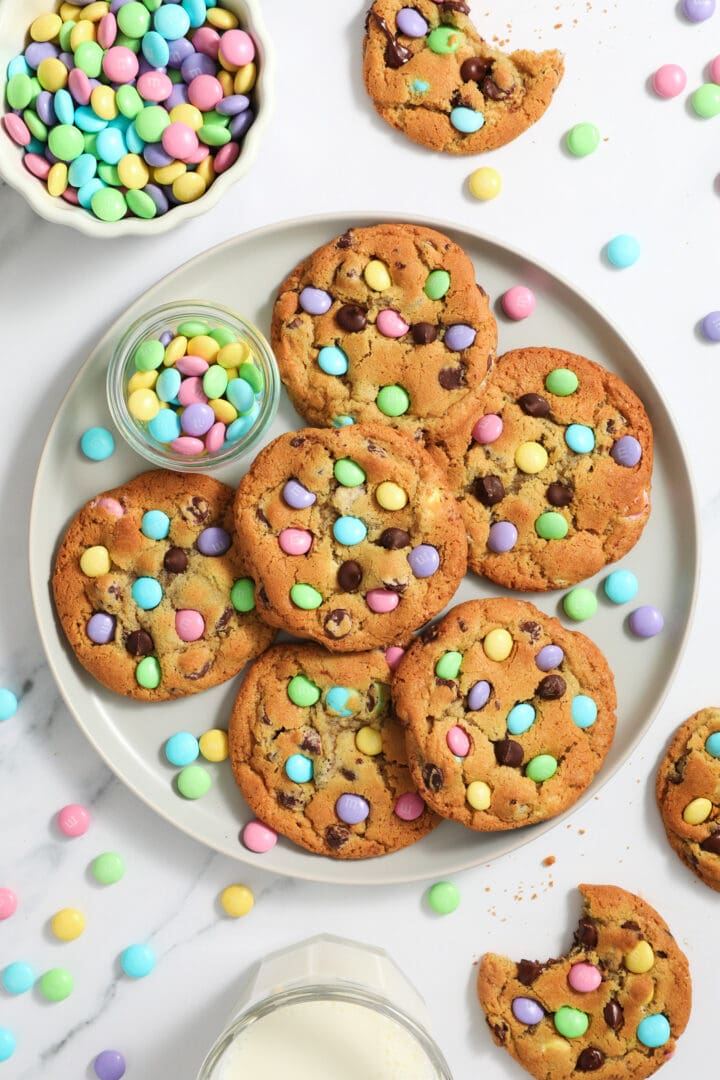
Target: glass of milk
<point>327,1009</point>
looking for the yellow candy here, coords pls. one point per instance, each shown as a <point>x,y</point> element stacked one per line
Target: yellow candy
<point>189,187</point>
<point>96,11</point>
<point>226,81</point>
<point>237,900</point>
<point>206,169</point>
<point>133,171</point>
<point>245,78</point>
<point>376,275</point>
<point>95,561</point>
<point>214,745</point>
<point>498,644</point>
<point>391,496</point>
<point>142,380</point>
<point>531,457</point>
<point>143,404</point>
<point>368,741</point>
<point>203,346</point>
<point>224,411</point>
<point>697,811</point>
<point>221,19</point>
<point>68,12</point>
<point>45,27</point>
<point>83,30</point>
<point>57,179</point>
<point>103,102</point>
<point>68,924</point>
<point>187,114</point>
<point>52,74</point>
<point>640,959</point>
<point>226,63</point>
<point>175,350</point>
<point>232,373</point>
<point>168,174</point>
<point>485,183</point>
<point>233,355</point>
<point>478,794</point>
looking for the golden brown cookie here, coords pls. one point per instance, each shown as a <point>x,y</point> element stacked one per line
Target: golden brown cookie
<point>352,534</point>
<point>152,589</point>
<point>431,75</point>
<point>688,794</point>
<point>614,1006</point>
<point>551,464</point>
<point>383,325</point>
<point>508,715</point>
<point>319,756</point>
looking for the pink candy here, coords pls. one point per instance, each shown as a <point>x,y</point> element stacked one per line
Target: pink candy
<point>715,70</point>
<point>206,40</point>
<point>73,820</point>
<point>200,154</point>
<point>178,139</point>
<point>518,302</point>
<point>204,92</point>
<point>295,541</point>
<point>487,429</point>
<point>584,978</point>
<point>191,391</point>
<point>8,903</point>
<point>669,81</point>
<point>18,131</point>
<point>38,166</point>
<point>391,324</point>
<point>80,86</point>
<point>187,445</point>
<point>226,156</point>
<point>409,806</point>
<point>237,47</point>
<point>258,837</point>
<point>120,64</point>
<point>191,365</point>
<point>381,601</point>
<point>107,30</point>
<point>110,506</point>
<point>458,741</point>
<point>215,438</point>
<point>189,624</point>
<point>70,195</point>
<point>155,86</point>
<point>394,655</point>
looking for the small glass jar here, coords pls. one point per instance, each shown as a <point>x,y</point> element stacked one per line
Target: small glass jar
<point>165,320</point>
<point>327,1008</point>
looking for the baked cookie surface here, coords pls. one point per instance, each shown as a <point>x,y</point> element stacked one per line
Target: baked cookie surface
<point>383,324</point>
<point>431,76</point>
<point>319,756</point>
<point>152,589</point>
<point>551,464</point>
<point>614,1006</point>
<point>352,534</point>
<point>688,794</point>
<point>508,715</point>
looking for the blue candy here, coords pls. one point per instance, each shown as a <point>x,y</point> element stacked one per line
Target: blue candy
<point>182,749</point>
<point>18,66</point>
<point>86,192</point>
<point>623,251</point>
<point>332,360</point>
<point>88,120</point>
<point>147,593</point>
<point>196,11</point>
<point>165,426</point>
<point>621,586</point>
<point>583,711</point>
<point>111,145</point>
<point>299,768</point>
<point>155,524</point>
<point>137,961</point>
<point>134,143</point>
<point>712,744</point>
<point>155,49</point>
<point>171,22</point>
<point>81,170</point>
<point>580,438</point>
<point>242,425</point>
<point>654,1030</point>
<point>466,120</point>
<point>520,718</point>
<point>240,394</point>
<point>18,978</point>
<point>168,384</point>
<point>64,107</point>
<point>8,703</point>
<point>337,698</point>
<point>97,443</point>
<point>349,531</point>
<point>342,421</point>
<point>7,1044</point>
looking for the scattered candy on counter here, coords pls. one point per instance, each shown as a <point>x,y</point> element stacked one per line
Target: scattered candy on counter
<point>706,100</point>
<point>194,781</point>
<point>443,897</point>
<point>646,621</point>
<point>518,302</point>
<point>583,139</point>
<point>67,924</point>
<point>698,10</point>
<point>7,1044</point>
<point>621,586</point>
<point>137,961</point>
<point>182,749</point>
<point>108,868</point>
<point>711,324</point>
<point>134,109</point>
<point>8,703</point>
<point>669,80</point>
<point>237,900</point>
<point>580,604</point>
<point>258,837</point>
<point>18,977</point>
<point>214,745</point>
<point>485,183</point>
<point>73,820</point>
<point>715,69</point>
<point>56,984</point>
<point>109,1065</point>
<point>8,903</point>
<point>97,443</point>
<point>623,250</point>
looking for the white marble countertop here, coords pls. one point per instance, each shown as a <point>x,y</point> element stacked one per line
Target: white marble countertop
<point>653,176</point>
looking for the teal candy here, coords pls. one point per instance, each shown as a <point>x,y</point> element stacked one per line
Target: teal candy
<point>580,439</point>
<point>81,170</point>
<point>196,10</point>
<point>623,251</point>
<point>583,711</point>
<point>134,143</point>
<point>155,49</point>
<point>653,1031</point>
<point>242,425</point>
<point>111,145</point>
<point>332,360</point>
<point>165,426</point>
<point>336,700</point>
<point>342,421</point>
<point>171,21</point>
<point>137,961</point>
<point>89,121</point>
<point>419,86</point>
<point>349,530</point>
<point>147,593</point>
<point>35,147</point>
<point>18,66</point>
<point>621,586</point>
<point>712,744</point>
<point>240,394</point>
<point>168,384</point>
<point>86,192</point>
<point>97,443</point>
<point>64,107</point>
<point>155,524</point>
<point>122,123</point>
<point>299,768</point>
<point>18,978</point>
<point>520,718</point>
<point>182,749</point>
<point>466,120</point>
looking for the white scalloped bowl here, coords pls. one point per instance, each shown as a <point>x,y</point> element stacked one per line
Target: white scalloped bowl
<point>15,18</point>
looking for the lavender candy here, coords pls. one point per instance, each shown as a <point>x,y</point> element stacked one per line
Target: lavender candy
<point>39,50</point>
<point>101,628</point>
<point>411,23</point>
<point>479,695</point>
<point>154,155</point>
<point>646,621</point>
<point>233,104</point>
<point>213,541</point>
<point>158,197</point>
<point>527,1011</point>
<point>502,537</point>
<point>178,96</point>
<point>315,301</point>
<point>166,337</point>
<point>197,64</point>
<point>180,49</point>
<point>626,451</point>
<point>44,108</point>
<point>297,496</point>
<point>459,337</point>
<point>424,560</point>
<point>352,809</point>
<point>240,123</point>
<point>549,657</point>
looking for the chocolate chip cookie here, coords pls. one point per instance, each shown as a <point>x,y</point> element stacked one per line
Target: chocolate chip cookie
<point>352,534</point>
<point>551,464</point>
<point>152,589</point>
<point>508,715</point>
<point>431,75</point>
<point>319,756</point>
<point>614,1006</point>
<point>383,324</point>
<point>688,794</point>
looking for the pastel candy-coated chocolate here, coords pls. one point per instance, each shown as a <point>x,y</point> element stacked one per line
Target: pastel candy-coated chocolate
<point>109,1065</point>
<point>295,541</point>
<point>391,324</point>
<point>584,978</point>
<point>583,711</point>
<point>669,80</point>
<point>73,820</point>
<point>572,1023</point>
<point>698,10</point>
<point>394,655</point>
<point>299,768</point>
<point>710,325</point>
<point>18,977</point>
<point>712,744</point>
<point>214,541</point>
<point>101,628</point>
<point>382,601</point>
<point>409,806</point>
<point>349,530</point>
<point>466,120</point>
<point>352,809</point>
<point>341,702</point>
<point>520,718</point>
<point>479,695</point>
<point>458,741</point>
<point>315,301</point>
<point>487,429</point>
<point>189,624</point>
<point>621,586</point>
<point>502,536</point>
<point>182,749</point>
<point>8,703</point>
<point>424,560</point>
<point>443,897</point>
<point>624,250</point>
<point>237,47</point>
<point>646,621</point>
<point>297,496</point>
<point>411,23</point>
<point>459,337</point>
<point>654,1031</point>
<point>8,903</point>
<point>549,657</point>
<point>626,451</point>
<point>518,302</point>
<point>137,961</point>
<point>258,837</point>
<point>527,1010</point>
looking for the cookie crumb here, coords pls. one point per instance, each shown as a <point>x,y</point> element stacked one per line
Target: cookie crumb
<point>549,860</point>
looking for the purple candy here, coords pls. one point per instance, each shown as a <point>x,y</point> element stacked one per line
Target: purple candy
<point>502,537</point>
<point>170,195</point>
<point>68,59</point>
<point>479,695</point>
<point>424,560</point>
<point>527,1011</point>
<point>411,23</point>
<point>101,628</point>
<point>197,64</point>
<point>44,107</point>
<point>180,49</point>
<point>710,324</point>
<point>144,66</point>
<point>49,156</point>
<point>213,541</point>
<point>40,50</point>
<point>698,10</point>
<point>166,337</point>
<point>114,6</point>
<point>197,419</point>
<point>109,1065</point>
<point>156,156</point>
<point>459,337</point>
<point>315,301</point>
<point>232,105</point>
<point>297,496</point>
<point>158,197</point>
<point>178,96</point>
<point>626,451</point>
<point>549,657</point>
<point>240,123</point>
<point>646,621</point>
<point>352,809</point>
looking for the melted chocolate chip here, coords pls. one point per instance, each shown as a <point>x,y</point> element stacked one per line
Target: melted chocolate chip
<point>429,633</point>
<point>474,69</point>
<point>452,378</point>
<point>224,619</point>
<point>613,1015</point>
<point>139,643</point>
<point>175,561</point>
<point>311,742</point>
<point>375,449</point>
<point>293,324</point>
<point>423,333</point>
<point>432,777</point>
<point>195,675</point>
<point>712,844</point>
<point>336,836</point>
<point>488,490</point>
<point>559,495</point>
<point>349,774</point>
<point>532,629</point>
<point>629,925</point>
<point>298,440</point>
<point>263,596</point>
<point>351,318</point>
<point>392,539</point>
<point>197,510</point>
<point>289,802</point>
<point>350,575</point>
<point>260,516</point>
<point>551,688</point>
<point>395,54</point>
<point>590,1060</point>
<point>394,585</point>
<point>528,971</point>
<point>500,1031</point>
<point>509,752</point>
<point>586,933</point>
<point>338,623</point>
<point>533,405</point>
<point>454,5</point>
<point>345,241</point>
<point>490,89</point>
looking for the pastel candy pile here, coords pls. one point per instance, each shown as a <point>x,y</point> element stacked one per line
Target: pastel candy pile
<point>128,108</point>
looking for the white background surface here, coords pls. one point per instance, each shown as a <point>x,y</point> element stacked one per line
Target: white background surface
<point>653,176</point>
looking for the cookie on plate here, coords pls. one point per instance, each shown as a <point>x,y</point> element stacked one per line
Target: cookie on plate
<point>319,756</point>
<point>431,76</point>
<point>687,789</point>
<point>383,324</point>
<point>508,715</point>
<point>551,465</point>
<point>352,534</point>
<point>614,1006</point>
<point>152,589</point>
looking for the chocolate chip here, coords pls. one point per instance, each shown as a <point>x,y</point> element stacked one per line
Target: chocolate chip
<point>350,575</point>
<point>261,516</point>
<point>590,1060</point>
<point>429,633</point>
<point>629,925</point>
<point>423,333</point>
<point>455,5</point>
<point>263,596</point>
<point>509,752</point>
<point>338,623</point>
<point>175,561</point>
<point>551,688</point>
<point>345,241</point>
<point>500,1031</point>
<point>614,1015</point>
<point>586,933</point>
<point>311,742</point>
<point>298,440</point>
<point>392,539</point>
<point>559,495</point>
<point>336,836</point>
<point>197,510</point>
<point>533,405</point>
<point>224,619</point>
<point>289,802</point>
<point>532,629</point>
<point>488,490</point>
<point>451,685</point>
<point>395,585</point>
<point>349,774</point>
<point>375,449</point>
<point>474,69</point>
<point>351,318</point>
<point>293,324</point>
<point>528,971</point>
<point>432,777</point>
<point>712,844</point>
<point>490,89</point>
<point>139,643</point>
<point>195,675</point>
<point>451,378</point>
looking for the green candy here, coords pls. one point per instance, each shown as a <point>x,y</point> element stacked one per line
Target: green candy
<point>192,328</point>
<point>445,39</point>
<point>551,526</point>
<point>443,897</point>
<point>223,336</point>
<point>580,604</point>
<point>572,1023</point>
<point>302,691</point>
<point>393,401</point>
<point>128,42</point>
<point>150,123</point>
<point>153,5</point>
<point>193,781</point>
<point>65,33</point>
<point>36,89</point>
<point>128,101</point>
<point>90,143</point>
<point>242,595</point>
<point>583,139</point>
<point>107,868</point>
<point>305,597</point>
<point>562,382</point>
<point>148,673</point>
<point>541,768</point>
<point>212,116</point>
<point>348,473</point>
<point>88,57</point>
<point>213,134</point>
<point>215,381</point>
<point>706,100</point>
<point>108,204</point>
<point>109,174</point>
<point>66,142</point>
<point>448,666</point>
<point>149,355</point>
<point>19,91</point>
<point>56,984</point>
<point>133,19</point>
<point>382,698</point>
<point>40,131</point>
<point>437,284</point>
<point>253,375</point>
<point>141,204</point>
<point>174,75</point>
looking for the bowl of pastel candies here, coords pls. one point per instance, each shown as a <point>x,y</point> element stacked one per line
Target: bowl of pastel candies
<point>192,386</point>
<point>130,116</point>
